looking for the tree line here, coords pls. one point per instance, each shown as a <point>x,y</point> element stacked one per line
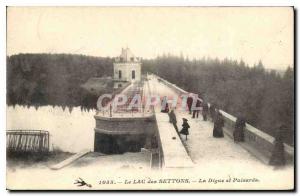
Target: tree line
<point>264,97</point>
<point>53,79</point>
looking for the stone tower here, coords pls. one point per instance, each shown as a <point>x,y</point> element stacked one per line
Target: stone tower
<point>127,68</point>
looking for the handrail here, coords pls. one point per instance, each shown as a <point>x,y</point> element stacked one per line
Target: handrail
<point>27,131</point>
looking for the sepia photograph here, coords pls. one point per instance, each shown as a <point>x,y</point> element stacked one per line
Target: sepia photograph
<point>150,98</point>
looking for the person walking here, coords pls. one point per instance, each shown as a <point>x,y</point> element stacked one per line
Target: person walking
<point>204,111</point>
<point>164,105</point>
<point>185,128</point>
<point>218,125</point>
<point>173,120</point>
<point>197,109</point>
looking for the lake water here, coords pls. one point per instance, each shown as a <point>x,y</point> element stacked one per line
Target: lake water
<point>69,131</point>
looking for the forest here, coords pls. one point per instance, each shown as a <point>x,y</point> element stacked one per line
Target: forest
<point>264,97</point>
<point>53,79</point>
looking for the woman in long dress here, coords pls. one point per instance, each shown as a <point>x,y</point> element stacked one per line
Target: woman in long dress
<point>218,126</point>
<point>172,119</point>
<point>205,111</point>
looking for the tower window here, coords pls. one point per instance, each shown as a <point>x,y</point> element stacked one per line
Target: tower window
<point>133,74</point>
<point>120,74</point>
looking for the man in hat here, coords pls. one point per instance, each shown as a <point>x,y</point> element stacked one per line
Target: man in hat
<point>164,105</point>
<point>190,102</point>
<point>204,111</point>
<point>185,128</point>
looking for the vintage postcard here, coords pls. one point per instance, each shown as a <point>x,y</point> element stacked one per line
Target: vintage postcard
<point>150,98</point>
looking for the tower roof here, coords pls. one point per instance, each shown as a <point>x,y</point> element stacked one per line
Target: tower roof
<point>126,56</point>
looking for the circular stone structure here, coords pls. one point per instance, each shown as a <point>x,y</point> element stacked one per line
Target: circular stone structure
<point>116,135</point>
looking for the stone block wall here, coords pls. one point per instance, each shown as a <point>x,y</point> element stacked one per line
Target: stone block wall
<point>119,135</point>
<point>257,139</point>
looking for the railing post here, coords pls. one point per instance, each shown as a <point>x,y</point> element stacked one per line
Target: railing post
<point>110,108</point>
<point>48,141</point>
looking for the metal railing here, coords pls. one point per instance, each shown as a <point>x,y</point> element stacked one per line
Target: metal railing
<point>27,141</point>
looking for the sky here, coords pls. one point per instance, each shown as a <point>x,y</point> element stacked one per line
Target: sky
<point>251,34</point>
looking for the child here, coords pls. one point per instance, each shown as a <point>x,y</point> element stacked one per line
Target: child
<point>185,128</point>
